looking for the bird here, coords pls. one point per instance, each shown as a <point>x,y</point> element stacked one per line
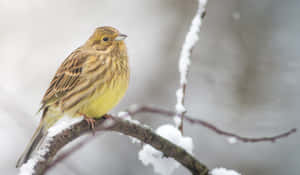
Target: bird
<point>89,83</point>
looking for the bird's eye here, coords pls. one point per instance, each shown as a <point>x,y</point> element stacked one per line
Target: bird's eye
<point>105,39</point>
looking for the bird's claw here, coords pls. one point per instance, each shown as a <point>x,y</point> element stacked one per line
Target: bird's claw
<point>91,122</point>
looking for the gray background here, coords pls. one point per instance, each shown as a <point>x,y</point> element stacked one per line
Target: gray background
<point>244,77</point>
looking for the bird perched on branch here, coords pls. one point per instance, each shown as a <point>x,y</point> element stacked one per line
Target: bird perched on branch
<point>89,83</point>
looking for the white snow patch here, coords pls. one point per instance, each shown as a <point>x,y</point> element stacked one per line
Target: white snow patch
<point>123,114</point>
<point>223,171</point>
<point>165,166</point>
<point>179,105</point>
<point>203,2</point>
<point>108,123</point>
<point>28,167</point>
<point>162,165</point>
<point>134,107</point>
<point>232,140</point>
<point>134,140</point>
<point>184,60</point>
<point>177,121</point>
<point>61,125</point>
<point>190,41</point>
<point>128,118</point>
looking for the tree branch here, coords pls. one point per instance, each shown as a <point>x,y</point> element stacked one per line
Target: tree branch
<point>43,162</point>
<point>69,152</point>
<point>122,126</point>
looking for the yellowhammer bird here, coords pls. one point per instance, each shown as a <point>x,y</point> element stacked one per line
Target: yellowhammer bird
<point>89,83</point>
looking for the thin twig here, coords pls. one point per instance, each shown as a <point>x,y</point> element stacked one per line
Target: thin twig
<point>184,61</point>
<point>168,113</point>
<point>182,113</point>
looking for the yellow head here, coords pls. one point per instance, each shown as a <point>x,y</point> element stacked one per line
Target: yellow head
<point>105,39</point>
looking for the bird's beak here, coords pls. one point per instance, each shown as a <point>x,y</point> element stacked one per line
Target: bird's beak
<point>120,37</point>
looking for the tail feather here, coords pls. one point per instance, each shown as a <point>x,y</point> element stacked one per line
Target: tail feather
<point>49,118</point>
<point>34,143</point>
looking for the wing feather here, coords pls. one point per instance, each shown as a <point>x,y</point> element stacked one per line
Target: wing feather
<point>66,78</point>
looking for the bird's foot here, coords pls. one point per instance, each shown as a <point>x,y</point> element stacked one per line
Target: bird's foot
<point>91,122</point>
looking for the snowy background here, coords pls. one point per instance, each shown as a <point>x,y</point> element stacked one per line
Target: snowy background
<point>245,77</point>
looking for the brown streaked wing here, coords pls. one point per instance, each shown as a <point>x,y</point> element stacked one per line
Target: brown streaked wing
<point>66,78</point>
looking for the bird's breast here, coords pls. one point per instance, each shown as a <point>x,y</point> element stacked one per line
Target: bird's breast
<point>109,90</point>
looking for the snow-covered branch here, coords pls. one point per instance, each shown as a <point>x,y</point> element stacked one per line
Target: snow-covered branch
<point>39,163</point>
<point>223,171</point>
<point>68,129</point>
<point>185,60</point>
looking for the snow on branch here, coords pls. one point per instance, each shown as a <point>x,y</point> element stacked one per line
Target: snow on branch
<point>39,163</point>
<point>223,171</point>
<point>190,41</point>
<point>161,163</point>
<point>68,129</point>
<point>185,61</point>
<point>58,135</point>
<point>41,154</point>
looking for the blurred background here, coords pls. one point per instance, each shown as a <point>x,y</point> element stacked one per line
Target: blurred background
<point>244,78</point>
